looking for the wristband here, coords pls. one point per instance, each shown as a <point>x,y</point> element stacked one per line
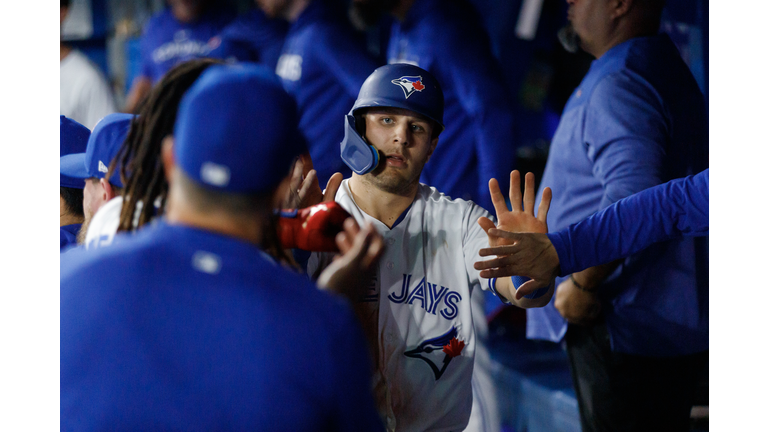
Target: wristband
<point>580,286</point>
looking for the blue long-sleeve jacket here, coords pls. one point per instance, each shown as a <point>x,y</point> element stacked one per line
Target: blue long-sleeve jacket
<point>323,65</point>
<point>446,38</point>
<point>252,37</point>
<point>668,211</point>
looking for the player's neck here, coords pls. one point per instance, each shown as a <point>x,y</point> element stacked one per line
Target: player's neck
<point>64,51</point>
<point>381,205</point>
<point>246,229</point>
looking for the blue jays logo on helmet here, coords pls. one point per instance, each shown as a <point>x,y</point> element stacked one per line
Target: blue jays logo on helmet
<point>446,343</point>
<point>409,84</point>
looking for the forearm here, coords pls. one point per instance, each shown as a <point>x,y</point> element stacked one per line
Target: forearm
<point>671,210</point>
<point>591,278</point>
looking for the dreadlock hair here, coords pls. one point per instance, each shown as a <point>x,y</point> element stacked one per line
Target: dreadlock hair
<point>140,165</point>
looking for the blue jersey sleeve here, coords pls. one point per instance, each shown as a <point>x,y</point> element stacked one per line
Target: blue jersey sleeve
<point>482,93</point>
<point>664,212</point>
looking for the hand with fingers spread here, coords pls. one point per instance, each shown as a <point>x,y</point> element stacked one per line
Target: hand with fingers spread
<point>520,219</point>
<point>349,274</point>
<point>305,188</point>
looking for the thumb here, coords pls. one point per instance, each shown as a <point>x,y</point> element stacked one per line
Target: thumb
<point>486,224</point>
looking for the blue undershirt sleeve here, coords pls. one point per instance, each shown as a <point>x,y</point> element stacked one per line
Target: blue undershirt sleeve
<point>667,211</point>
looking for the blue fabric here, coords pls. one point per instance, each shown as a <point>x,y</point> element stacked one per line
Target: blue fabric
<point>167,42</point>
<point>175,328</point>
<point>103,145</point>
<point>636,120</point>
<point>73,138</point>
<point>252,37</point>
<point>236,130</point>
<point>446,38</point>
<point>323,65</point>
<point>671,210</point>
<point>68,235</point>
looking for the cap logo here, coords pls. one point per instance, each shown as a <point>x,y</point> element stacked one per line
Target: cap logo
<point>102,167</point>
<point>214,174</point>
<point>409,84</point>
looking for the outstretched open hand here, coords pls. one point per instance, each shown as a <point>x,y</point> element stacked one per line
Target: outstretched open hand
<point>521,218</point>
<point>305,188</point>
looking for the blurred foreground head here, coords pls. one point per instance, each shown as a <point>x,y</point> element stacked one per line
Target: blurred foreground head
<point>235,140</point>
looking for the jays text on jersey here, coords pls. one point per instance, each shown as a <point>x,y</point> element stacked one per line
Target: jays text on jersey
<point>422,291</point>
<point>175,328</point>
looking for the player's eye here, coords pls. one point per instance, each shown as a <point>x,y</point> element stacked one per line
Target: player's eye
<point>387,120</point>
<point>417,127</point>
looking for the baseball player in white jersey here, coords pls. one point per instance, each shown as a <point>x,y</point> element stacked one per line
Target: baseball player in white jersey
<point>417,310</point>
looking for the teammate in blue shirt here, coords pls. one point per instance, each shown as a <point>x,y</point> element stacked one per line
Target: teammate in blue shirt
<point>188,324</point>
<point>73,138</point>
<point>323,65</point>
<point>636,120</point>
<point>252,37</point>
<point>668,211</point>
<point>182,31</point>
<point>446,38</point>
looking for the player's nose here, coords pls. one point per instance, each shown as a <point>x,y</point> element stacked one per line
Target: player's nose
<point>402,134</point>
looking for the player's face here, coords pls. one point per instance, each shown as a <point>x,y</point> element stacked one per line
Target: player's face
<point>93,197</point>
<point>405,143</point>
<point>590,20</point>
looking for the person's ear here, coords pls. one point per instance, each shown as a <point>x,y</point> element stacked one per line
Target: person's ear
<point>432,147</point>
<point>169,163</point>
<point>620,8</point>
<point>107,193</point>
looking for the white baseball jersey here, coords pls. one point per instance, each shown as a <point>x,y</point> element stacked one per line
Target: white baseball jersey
<point>425,326</point>
<point>104,224</point>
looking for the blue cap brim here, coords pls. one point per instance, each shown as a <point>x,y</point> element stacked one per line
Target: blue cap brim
<point>70,182</point>
<point>73,165</point>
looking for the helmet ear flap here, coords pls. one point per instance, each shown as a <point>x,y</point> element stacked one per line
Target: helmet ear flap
<point>361,157</point>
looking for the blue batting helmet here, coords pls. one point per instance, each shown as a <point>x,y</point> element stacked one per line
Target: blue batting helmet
<point>397,85</point>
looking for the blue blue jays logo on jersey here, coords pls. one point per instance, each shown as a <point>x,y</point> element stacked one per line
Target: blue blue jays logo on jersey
<point>409,84</point>
<point>446,344</point>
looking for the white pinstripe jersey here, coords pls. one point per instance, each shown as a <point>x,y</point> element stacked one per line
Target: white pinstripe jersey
<point>422,291</point>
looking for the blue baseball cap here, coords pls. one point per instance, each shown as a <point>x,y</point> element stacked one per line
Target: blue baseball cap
<point>73,138</point>
<point>237,130</point>
<point>105,141</point>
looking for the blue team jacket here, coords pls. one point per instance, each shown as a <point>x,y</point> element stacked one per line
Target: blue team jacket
<point>252,37</point>
<point>446,38</point>
<point>167,42</point>
<point>323,65</point>
<point>176,328</point>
